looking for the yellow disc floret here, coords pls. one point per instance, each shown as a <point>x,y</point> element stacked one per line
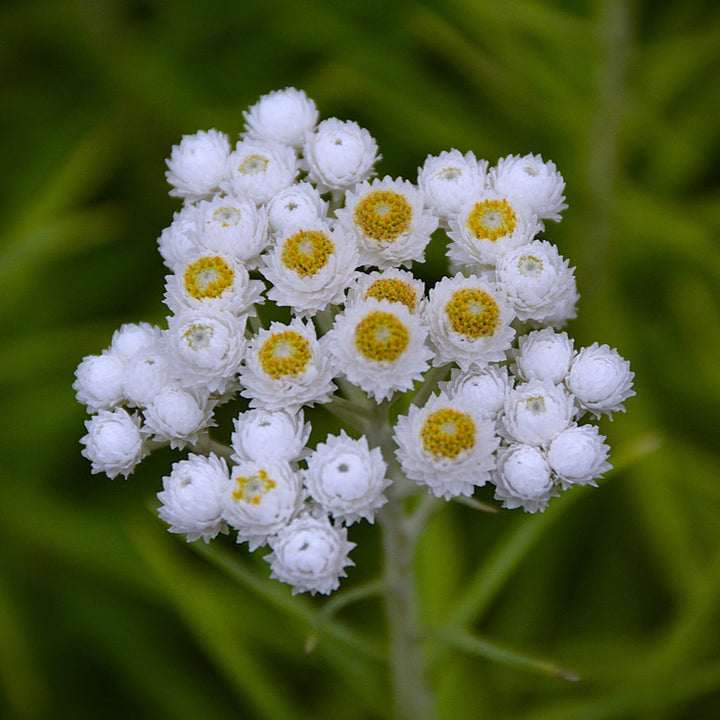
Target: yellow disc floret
<point>447,432</point>
<point>227,216</point>
<point>285,353</point>
<point>473,312</point>
<point>198,337</point>
<point>381,336</point>
<point>251,489</point>
<point>208,277</point>
<point>306,252</point>
<point>253,164</point>
<point>383,215</point>
<point>394,290</point>
<point>491,219</point>
<point>530,265</point>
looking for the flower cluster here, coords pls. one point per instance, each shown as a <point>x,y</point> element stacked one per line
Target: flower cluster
<point>293,216</point>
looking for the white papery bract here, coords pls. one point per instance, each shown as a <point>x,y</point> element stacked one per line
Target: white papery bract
<point>114,443</point>
<point>523,478</point>
<point>339,154</point>
<point>146,374</point>
<point>297,206</point>
<point>196,167</point>
<point>263,434</point>
<point>310,554</point>
<point>192,497</point>
<point>260,499</point>
<point>179,240</point>
<point>600,379</point>
<point>393,285</point>
<point>284,116</point>
<point>578,455</point>
<point>133,339</point>
<point>446,445</point>
<point>389,221</point>
<point>486,388</point>
<point>100,381</point>
<point>347,478</point>
<point>177,416</point>
<point>545,355</point>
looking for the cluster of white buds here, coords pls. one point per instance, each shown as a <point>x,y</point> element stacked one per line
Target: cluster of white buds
<point>292,215</point>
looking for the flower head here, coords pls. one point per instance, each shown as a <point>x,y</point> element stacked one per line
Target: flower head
<point>284,116</point>
<point>264,434</point>
<point>114,443</point>
<point>523,478</point>
<point>196,167</point>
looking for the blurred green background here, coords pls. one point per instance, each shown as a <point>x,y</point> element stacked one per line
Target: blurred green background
<point>103,614</point>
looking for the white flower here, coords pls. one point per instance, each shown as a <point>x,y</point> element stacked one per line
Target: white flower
<point>192,497</point>
<point>538,282</point>
<point>133,339</point>
<point>392,285</point>
<point>310,554</point>
<point>447,445</point>
<point>529,180</point>
<point>486,388</point>
<point>469,321</point>
<point>544,354</point>
<point>147,374</point>
<point>197,165</point>
<point>179,240</point>
<point>347,478</point>
<point>578,455</point>
<point>450,180</point>
<point>339,154</point>
<point>282,115</point>
<point>487,227</point>
<point>177,416</point>
<point>264,435</point>
<point>287,367</point>
<point>310,268</point>
<point>380,346</point>
<point>260,500</point>
<point>100,381</point>
<point>536,411</point>
<point>523,478</point>
<point>259,170</point>
<point>389,221</point>
<point>114,443</point>
<point>600,379</point>
<point>297,206</point>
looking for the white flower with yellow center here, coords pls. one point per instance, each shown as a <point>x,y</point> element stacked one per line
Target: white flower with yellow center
<point>192,497</point>
<point>389,221</point>
<point>178,416</point>
<point>284,116</point>
<point>393,285</point>
<point>114,443</point>
<point>310,554</point>
<point>286,367</point>
<point>298,206</point>
<point>263,434</point>
<point>469,322</point>
<point>523,478</point>
<point>100,381</point>
<point>259,170</point>
<point>544,354</point>
<point>261,499</point>
<point>339,154</point>
<point>486,388</point>
<point>380,346</point>
<point>447,445</point>
<point>579,455</point>
<point>600,379</point>
<point>347,478</point>
<point>539,283</point>
<point>310,268</point>
<point>196,167</point>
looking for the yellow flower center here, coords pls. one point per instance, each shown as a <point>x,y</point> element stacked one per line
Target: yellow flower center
<point>530,265</point>
<point>227,216</point>
<point>198,336</point>
<point>473,312</point>
<point>491,219</point>
<point>208,277</point>
<point>394,290</point>
<point>285,353</point>
<point>251,489</point>
<point>535,405</point>
<point>381,336</point>
<point>253,164</point>
<point>306,252</point>
<point>446,433</point>
<point>383,215</point>
<point>450,173</point>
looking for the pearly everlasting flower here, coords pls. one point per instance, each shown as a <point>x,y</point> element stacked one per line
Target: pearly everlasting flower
<point>310,554</point>
<point>389,222</point>
<point>530,180</point>
<point>380,346</point>
<point>600,379</point>
<point>469,322</point>
<point>310,268</point>
<point>146,374</point>
<point>545,355</point>
<point>393,285</point>
<point>196,166</point>
<point>179,240</point>
<point>536,411</point>
<point>287,367</point>
<point>284,116</point>
<point>487,389</point>
<point>192,497</point>
<point>133,339</point>
<point>177,416</point>
<point>297,206</point>
<point>263,434</point>
<point>260,500</point>
<point>579,455</point>
<point>100,381</point>
<point>339,154</point>
<point>523,478</point>
<point>346,478</point>
<point>114,443</point>
<point>447,445</point>
<point>539,283</point>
